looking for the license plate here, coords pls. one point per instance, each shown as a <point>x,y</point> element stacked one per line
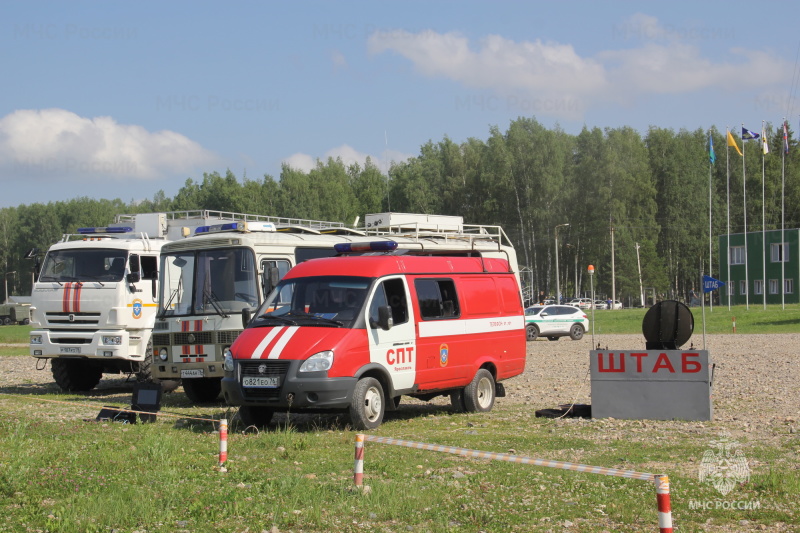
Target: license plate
<point>270,382</point>
<point>193,373</point>
<point>65,349</point>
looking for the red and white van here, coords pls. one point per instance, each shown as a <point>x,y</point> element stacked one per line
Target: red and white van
<point>358,332</point>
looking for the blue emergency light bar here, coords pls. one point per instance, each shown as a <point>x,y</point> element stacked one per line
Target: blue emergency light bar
<point>92,231</point>
<point>235,226</point>
<point>373,246</point>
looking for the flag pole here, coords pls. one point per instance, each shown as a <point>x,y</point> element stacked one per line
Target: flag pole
<point>728,194</point>
<point>711,159</point>
<point>783,213</point>
<point>744,204</point>
<point>763,219</point>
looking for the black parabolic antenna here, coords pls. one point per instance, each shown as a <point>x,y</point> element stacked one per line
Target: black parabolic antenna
<point>667,325</point>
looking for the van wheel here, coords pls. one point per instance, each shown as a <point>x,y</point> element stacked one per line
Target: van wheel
<point>201,390</point>
<point>576,332</point>
<point>479,394</point>
<point>531,332</point>
<point>75,375</point>
<point>367,407</point>
<point>457,401</point>
<point>253,415</point>
<point>553,338</point>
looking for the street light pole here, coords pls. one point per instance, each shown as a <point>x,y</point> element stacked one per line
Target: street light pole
<point>5,279</point>
<point>558,285</point>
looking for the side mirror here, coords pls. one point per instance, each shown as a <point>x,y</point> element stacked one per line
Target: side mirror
<point>134,268</point>
<point>246,316</point>
<point>385,320</point>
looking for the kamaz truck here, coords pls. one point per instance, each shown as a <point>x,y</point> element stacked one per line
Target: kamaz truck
<point>94,300</point>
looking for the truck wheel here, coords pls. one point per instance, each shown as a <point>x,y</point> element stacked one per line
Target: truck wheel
<point>145,372</point>
<point>367,407</point>
<point>254,415</point>
<point>531,332</point>
<point>479,394</point>
<point>576,332</point>
<point>6,321</point>
<point>201,390</point>
<point>75,375</point>
<point>26,321</point>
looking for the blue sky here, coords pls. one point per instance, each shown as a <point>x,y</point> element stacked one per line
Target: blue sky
<point>122,99</point>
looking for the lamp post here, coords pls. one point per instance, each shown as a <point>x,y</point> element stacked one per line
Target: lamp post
<point>558,287</point>
<point>5,279</point>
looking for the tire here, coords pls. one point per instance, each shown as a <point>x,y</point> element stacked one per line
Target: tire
<point>553,338</point>
<point>457,401</point>
<point>202,390</point>
<point>145,372</point>
<point>531,332</point>
<point>25,321</point>
<point>479,394</point>
<point>576,332</point>
<point>254,415</point>
<point>368,406</point>
<point>76,375</point>
<point>6,321</point>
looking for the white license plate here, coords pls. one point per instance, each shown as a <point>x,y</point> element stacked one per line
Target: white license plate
<point>193,373</point>
<point>270,382</point>
<point>65,349</point>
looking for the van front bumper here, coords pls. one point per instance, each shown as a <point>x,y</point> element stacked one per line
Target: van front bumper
<point>294,390</point>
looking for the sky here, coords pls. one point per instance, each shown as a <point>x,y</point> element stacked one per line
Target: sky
<point>125,99</point>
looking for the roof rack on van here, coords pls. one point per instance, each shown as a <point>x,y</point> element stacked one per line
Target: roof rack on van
<point>439,227</point>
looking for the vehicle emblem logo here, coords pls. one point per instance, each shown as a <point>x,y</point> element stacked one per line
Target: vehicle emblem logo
<point>262,369</point>
<point>191,338</point>
<point>444,354</point>
<point>71,317</point>
<point>137,309</point>
<point>726,467</point>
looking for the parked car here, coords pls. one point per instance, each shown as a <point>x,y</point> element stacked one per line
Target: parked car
<point>582,303</point>
<point>616,304</point>
<point>555,321</point>
<point>600,304</point>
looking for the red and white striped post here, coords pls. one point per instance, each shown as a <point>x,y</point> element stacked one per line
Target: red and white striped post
<point>358,468</point>
<point>664,507</point>
<point>223,443</point>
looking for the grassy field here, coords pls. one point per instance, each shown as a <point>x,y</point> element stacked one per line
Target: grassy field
<point>60,471</point>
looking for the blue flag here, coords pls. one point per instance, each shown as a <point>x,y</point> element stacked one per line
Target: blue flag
<point>712,157</point>
<point>747,134</point>
<point>711,284</point>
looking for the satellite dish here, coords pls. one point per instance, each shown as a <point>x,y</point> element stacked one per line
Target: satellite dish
<point>667,325</point>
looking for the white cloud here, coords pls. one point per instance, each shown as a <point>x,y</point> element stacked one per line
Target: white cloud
<point>56,143</point>
<point>553,79</point>
<point>348,155</point>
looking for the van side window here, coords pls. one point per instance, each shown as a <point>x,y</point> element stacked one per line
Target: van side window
<point>390,292</point>
<point>437,298</point>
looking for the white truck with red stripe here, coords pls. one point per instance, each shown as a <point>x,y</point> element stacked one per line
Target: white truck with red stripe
<point>213,282</point>
<point>94,301</point>
<point>357,332</point>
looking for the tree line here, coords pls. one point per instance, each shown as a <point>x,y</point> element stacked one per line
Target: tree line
<point>646,196</point>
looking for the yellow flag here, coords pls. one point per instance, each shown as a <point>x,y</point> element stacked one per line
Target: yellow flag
<point>732,142</point>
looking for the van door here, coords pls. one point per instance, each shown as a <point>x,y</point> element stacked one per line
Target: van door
<point>395,349</point>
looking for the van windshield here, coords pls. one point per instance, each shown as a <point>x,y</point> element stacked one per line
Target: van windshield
<point>326,301</point>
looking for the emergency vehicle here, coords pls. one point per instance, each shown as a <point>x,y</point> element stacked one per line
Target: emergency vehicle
<point>213,282</point>
<point>357,332</point>
<point>94,301</point>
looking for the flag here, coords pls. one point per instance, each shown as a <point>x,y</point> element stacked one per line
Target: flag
<point>747,134</point>
<point>732,142</point>
<point>711,284</point>
<point>764,141</point>
<point>785,139</point>
<point>712,157</point>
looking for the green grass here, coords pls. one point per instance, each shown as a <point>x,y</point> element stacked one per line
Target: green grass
<point>14,334</point>
<point>59,473</point>
<point>718,321</point>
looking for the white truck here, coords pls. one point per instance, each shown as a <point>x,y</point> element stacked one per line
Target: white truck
<point>94,300</point>
<point>213,281</point>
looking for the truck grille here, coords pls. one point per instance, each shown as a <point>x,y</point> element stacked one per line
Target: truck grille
<point>200,337</point>
<point>81,319</point>
<point>273,368</point>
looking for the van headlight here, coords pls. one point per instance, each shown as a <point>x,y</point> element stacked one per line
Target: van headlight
<point>163,354</point>
<point>227,360</point>
<point>319,362</point>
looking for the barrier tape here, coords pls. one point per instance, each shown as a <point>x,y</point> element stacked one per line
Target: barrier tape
<point>661,480</point>
<point>120,409</point>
